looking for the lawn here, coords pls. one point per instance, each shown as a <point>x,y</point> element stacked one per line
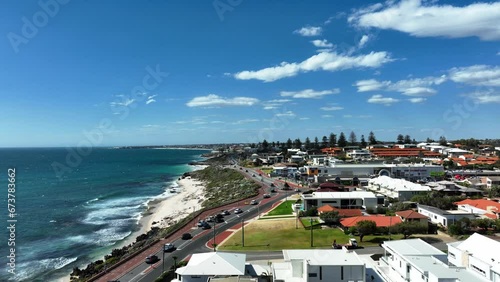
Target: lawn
<point>306,221</point>
<point>281,234</point>
<point>284,208</point>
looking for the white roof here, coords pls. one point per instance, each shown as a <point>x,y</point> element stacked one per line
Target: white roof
<point>440,270</point>
<point>411,247</point>
<point>339,195</point>
<point>475,245</point>
<point>323,257</point>
<point>397,184</point>
<point>214,263</point>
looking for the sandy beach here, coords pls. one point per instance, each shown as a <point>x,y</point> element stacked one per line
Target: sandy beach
<point>189,197</point>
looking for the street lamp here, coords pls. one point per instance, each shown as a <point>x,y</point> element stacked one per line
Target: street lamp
<point>311,221</point>
<point>215,223</point>
<point>242,232</point>
<point>163,262</point>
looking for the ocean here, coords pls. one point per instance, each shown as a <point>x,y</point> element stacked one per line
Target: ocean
<point>73,211</point>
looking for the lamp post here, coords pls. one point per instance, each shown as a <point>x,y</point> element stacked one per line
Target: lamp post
<point>242,233</point>
<point>175,262</point>
<point>215,223</point>
<point>311,221</point>
<point>163,262</point>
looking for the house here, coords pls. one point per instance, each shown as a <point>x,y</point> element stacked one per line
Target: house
<point>451,188</point>
<point>441,217</point>
<point>343,200</point>
<point>319,265</point>
<point>202,266</point>
<point>399,189</point>
<point>416,260</point>
<point>492,181</point>
<point>476,254</point>
<point>487,208</point>
<point>412,216</point>
<point>380,220</point>
<point>342,212</point>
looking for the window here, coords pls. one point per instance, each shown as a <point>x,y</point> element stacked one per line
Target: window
<point>320,273</point>
<point>452,255</point>
<point>195,276</point>
<point>313,275</point>
<point>341,273</point>
<point>478,269</point>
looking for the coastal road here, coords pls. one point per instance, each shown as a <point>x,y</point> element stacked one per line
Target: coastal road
<point>144,272</point>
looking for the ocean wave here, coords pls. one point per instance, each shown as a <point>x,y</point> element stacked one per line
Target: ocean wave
<point>111,216</point>
<point>26,271</point>
<point>103,237</point>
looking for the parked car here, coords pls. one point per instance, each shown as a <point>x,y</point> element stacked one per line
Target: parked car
<point>226,212</point>
<point>186,236</point>
<point>267,196</point>
<point>151,259</point>
<point>168,247</point>
<point>206,226</point>
<point>238,210</point>
<point>253,202</point>
<point>200,223</point>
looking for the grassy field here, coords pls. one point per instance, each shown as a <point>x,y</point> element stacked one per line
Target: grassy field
<point>284,208</point>
<point>306,221</point>
<point>281,234</point>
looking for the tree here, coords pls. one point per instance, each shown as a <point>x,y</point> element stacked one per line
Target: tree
<point>353,139</point>
<point>363,142</point>
<point>330,218</point>
<point>307,143</point>
<point>316,143</point>
<point>400,139</point>
<point>265,145</point>
<point>324,142</point>
<point>297,144</point>
<point>289,143</point>
<point>409,228</point>
<point>407,139</point>
<point>442,141</point>
<point>371,138</point>
<point>342,142</point>
<point>332,140</point>
<point>365,227</point>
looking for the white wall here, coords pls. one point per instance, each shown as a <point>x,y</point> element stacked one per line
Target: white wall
<point>334,273</point>
<point>189,278</point>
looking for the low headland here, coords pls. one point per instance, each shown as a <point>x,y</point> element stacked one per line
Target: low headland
<point>212,185</point>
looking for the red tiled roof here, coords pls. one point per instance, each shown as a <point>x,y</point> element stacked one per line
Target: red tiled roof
<point>490,215</point>
<point>380,221</point>
<point>410,214</point>
<point>480,204</point>
<point>342,212</point>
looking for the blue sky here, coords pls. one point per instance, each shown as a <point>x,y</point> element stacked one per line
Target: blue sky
<point>187,72</point>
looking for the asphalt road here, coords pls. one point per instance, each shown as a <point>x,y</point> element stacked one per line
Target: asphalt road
<point>147,272</point>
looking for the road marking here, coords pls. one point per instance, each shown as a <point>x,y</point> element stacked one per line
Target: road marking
<point>182,245</point>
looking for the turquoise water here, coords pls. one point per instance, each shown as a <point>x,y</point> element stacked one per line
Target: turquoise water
<point>68,217</point>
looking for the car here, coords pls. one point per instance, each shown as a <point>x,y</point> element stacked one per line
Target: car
<point>267,196</point>
<point>272,185</point>
<point>238,210</point>
<point>246,170</point>
<point>168,247</point>
<point>200,223</point>
<point>151,259</point>
<point>253,202</point>
<point>253,175</point>
<point>210,219</point>
<point>186,236</point>
<point>206,226</point>
<point>226,212</point>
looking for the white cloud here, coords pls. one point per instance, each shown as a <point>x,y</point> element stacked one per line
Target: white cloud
<point>379,99</point>
<point>309,93</point>
<point>309,31</point>
<point>125,102</point>
<point>152,97</point>
<point>248,120</point>
<point>347,116</point>
<point>322,43</point>
<point>429,20</point>
<point>479,75</point>
<point>326,116</point>
<point>418,91</point>
<point>304,118</point>
<point>213,100</point>
<point>274,104</point>
<point>333,108</point>
<point>417,100</point>
<point>150,101</point>
<point>409,87</point>
<point>364,39</point>
<point>286,114</point>
<point>326,61</point>
<point>485,97</point>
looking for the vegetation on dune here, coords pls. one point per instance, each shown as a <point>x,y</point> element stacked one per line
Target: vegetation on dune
<point>224,185</point>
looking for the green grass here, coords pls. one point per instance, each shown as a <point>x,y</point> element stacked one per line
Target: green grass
<point>276,217</point>
<point>284,208</point>
<point>283,235</point>
<point>306,221</point>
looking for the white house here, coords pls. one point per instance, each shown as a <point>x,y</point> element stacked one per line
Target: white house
<point>415,260</point>
<point>319,265</point>
<point>444,218</point>
<point>203,266</point>
<point>400,189</point>
<point>477,253</point>
<point>344,200</point>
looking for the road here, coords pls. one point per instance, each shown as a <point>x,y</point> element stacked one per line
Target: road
<point>146,272</point>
